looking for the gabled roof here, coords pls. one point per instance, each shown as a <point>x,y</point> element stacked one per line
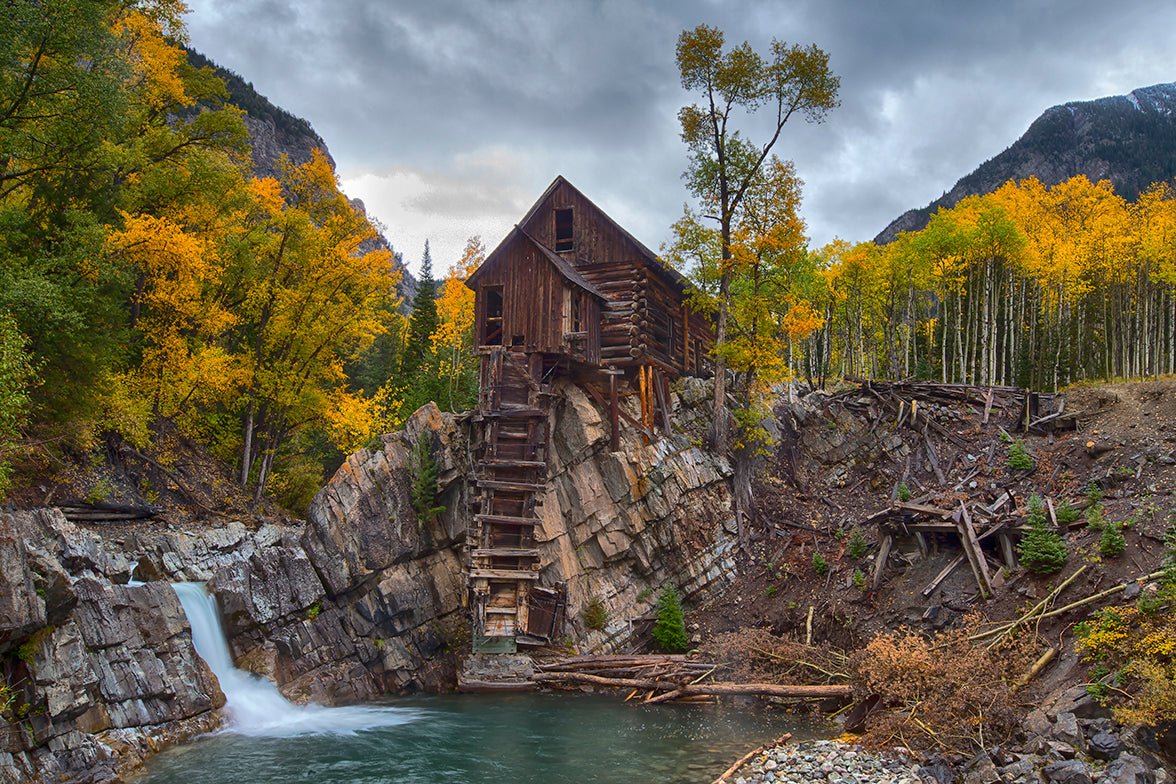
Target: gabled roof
<point>654,260</point>
<point>566,270</point>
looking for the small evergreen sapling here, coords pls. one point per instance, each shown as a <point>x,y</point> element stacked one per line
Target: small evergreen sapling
<point>1019,457</point>
<point>1112,542</point>
<point>1041,550</point>
<point>670,630</point>
<point>424,481</point>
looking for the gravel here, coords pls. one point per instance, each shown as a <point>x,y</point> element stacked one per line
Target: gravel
<point>826,761</point>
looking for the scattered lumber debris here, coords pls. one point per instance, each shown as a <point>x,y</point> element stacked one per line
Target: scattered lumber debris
<point>81,512</point>
<point>916,404</point>
<point>666,677</point>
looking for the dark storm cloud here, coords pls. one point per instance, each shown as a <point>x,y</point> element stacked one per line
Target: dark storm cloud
<point>461,111</point>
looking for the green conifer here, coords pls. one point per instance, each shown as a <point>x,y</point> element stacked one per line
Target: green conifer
<point>670,631</point>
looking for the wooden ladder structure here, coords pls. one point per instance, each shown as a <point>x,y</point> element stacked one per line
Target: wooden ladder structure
<point>510,471</point>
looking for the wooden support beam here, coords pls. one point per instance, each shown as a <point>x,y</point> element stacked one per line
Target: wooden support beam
<point>505,520</point>
<point>973,550</point>
<point>1007,550</point>
<point>514,487</point>
<point>951,567</point>
<point>883,554</point>
<point>504,574</point>
<point>507,552</point>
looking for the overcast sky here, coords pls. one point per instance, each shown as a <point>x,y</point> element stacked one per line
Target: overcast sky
<point>450,117</point>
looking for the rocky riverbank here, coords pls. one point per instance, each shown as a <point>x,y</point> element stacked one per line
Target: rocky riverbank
<point>1067,741</point>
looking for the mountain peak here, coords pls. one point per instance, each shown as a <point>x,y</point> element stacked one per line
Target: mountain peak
<point>1127,139</point>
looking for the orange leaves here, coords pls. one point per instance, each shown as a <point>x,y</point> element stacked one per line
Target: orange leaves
<point>455,305</point>
<point>154,61</point>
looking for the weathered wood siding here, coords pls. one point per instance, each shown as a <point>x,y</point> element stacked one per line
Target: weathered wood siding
<point>646,317</point>
<point>535,295</point>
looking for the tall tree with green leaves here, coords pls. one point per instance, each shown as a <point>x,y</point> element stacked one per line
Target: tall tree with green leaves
<point>723,163</point>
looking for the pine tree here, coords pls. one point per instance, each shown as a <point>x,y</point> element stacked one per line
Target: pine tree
<point>423,322</point>
<point>1041,550</point>
<point>670,631</point>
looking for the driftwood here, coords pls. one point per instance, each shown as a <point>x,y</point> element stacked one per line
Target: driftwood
<point>739,763</point>
<point>761,689</point>
<point>1039,665</point>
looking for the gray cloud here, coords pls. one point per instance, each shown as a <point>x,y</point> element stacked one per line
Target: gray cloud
<point>450,114</point>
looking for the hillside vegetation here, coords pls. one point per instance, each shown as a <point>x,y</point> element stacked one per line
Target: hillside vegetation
<point>147,274</point>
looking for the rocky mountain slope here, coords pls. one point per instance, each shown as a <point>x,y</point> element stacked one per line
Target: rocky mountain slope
<point>274,132</point>
<point>1128,139</point>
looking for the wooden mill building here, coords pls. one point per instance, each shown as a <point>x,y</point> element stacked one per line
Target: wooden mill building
<point>567,293</point>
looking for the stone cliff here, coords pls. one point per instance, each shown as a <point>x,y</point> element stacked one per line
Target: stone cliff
<point>96,673</point>
<point>363,599</point>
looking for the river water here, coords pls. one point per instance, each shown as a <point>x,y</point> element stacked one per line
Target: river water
<point>504,738</point>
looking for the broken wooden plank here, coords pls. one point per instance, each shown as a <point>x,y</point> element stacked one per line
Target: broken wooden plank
<point>973,550</point>
<point>883,554</point>
<point>931,456</point>
<point>951,567</point>
<point>934,511</point>
<point>1007,550</point>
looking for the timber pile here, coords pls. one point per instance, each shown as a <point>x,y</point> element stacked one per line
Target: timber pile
<point>104,513</point>
<point>971,520</point>
<point>661,678</point>
<point>921,404</point>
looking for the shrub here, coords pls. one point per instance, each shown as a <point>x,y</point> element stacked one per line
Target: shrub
<point>1094,517</point>
<point>595,614</point>
<point>771,591</point>
<point>1041,550</point>
<point>942,692</point>
<point>1137,646</point>
<point>859,579</point>
<point>820,565</point>
<point>313,611</point>
<point>1019,457</point>
<point>903,493</point>
<point>670,630</point>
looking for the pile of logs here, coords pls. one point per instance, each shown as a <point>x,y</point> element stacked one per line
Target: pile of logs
<point>1022,410</point>
<point>661,678</point>
<point>971,520</point>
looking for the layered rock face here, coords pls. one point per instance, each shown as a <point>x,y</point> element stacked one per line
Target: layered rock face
<point>96,673</point>
<point>617,526</point>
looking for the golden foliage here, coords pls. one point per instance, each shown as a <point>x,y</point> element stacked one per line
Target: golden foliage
<point>1139,648</point>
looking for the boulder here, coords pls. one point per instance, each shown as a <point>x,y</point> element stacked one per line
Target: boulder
<point>1127,769</point>
<point>1068,772</point>
<point>1065,729</point>
<point>1104,746</point>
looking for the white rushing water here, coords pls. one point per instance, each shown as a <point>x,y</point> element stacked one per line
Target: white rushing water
<point>256,706</point>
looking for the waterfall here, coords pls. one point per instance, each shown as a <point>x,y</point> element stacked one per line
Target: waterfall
<point>254,704</point>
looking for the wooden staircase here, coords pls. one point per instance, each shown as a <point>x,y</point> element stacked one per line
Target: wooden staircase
<point>507,605</point>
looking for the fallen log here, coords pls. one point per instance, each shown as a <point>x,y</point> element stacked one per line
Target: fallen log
<point>783,738</point>
<point>762,689</point>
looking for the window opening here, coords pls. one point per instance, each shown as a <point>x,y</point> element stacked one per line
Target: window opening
<point>492,335</point>
<point>563,230</point>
